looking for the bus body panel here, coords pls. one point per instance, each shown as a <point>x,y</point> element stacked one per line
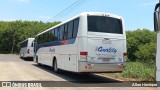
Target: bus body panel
<point>102,60</point>
<point>105,50</point>
<point>66,56</point>
<point>70,56</point>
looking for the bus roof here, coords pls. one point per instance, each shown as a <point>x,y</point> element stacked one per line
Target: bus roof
<point>82,14</point>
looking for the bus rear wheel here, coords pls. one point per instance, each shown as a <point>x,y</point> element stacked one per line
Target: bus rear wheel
<point>37,61</point>
<point>55,68</point>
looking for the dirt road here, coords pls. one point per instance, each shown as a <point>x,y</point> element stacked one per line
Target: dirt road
<point>12,68</point>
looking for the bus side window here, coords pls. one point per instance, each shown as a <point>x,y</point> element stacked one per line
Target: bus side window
<point>42,38</point>
<point>70,29</point>
<point>39,40</point>
<point>52,36</point>
<point>75,29</point>
<point>56,34</point>
<point>45,35</point>
<point>65,31</point>
<point>61,32</point>
<point>49,36</point>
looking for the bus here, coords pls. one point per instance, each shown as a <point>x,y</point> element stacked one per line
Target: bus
<point>26,48</point>
<point>88,42</point>
<point>157,29</point>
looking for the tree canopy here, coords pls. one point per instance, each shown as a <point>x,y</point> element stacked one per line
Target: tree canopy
<point>19,31</point>
<point>141,44</point>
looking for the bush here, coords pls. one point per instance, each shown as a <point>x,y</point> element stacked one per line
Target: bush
<point>146,53</point>
<point>141,45</point>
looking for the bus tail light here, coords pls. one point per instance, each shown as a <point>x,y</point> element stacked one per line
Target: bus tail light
<point>84,53</point>
<point>125,57</point>
<point>28,51</point>
<point>83,56</point>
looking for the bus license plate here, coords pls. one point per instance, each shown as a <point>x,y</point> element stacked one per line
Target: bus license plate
<point>106,41</point>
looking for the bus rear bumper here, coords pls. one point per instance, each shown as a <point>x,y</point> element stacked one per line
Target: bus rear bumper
<point>100,67</point>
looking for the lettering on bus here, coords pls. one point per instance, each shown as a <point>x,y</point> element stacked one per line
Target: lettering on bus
<point>109,50</point>
<point>52,50</point>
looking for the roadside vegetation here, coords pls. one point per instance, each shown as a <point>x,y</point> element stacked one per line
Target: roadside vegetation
<point>141,46</point>
<point>139,71</point>
<point>12,33</point>
<point>141,50</point>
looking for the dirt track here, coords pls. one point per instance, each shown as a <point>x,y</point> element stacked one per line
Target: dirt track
<point>12,68</point>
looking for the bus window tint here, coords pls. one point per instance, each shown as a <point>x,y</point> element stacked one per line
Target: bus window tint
<point>39,39</point>
<point>56,34</point>
<point>52,36</point>
<point>65,31</point>
<point>70,29</point>
<point>75,29</point>
<point>104,24</point>
<point>46,38</point>
<point>61,31</point>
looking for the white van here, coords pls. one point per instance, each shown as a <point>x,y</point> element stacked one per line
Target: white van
<point>26,48</point>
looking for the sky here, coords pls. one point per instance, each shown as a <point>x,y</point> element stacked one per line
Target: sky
<point>137,14</point>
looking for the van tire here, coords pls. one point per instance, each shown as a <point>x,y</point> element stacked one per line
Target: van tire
<point>20,56</point>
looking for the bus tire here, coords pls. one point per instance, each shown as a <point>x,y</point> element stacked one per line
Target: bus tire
<point>55,68</point>
<point>37,61</point>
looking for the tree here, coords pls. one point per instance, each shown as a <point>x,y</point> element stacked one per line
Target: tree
<point>140,44</point>
<point>12,33</point>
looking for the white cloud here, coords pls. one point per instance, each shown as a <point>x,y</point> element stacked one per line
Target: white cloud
<point>44,18</point>
<point>150,3</point>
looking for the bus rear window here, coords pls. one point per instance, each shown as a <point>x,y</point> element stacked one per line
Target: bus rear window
<point>104,24</point>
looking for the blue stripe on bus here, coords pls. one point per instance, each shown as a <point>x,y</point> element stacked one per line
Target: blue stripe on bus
<point>55,43</point>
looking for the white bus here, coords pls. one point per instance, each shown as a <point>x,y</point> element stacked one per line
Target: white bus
<point>26,48</point>
<point>89,42</point>
<point>157,29</point>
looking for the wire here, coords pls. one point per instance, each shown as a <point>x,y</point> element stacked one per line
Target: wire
<point>72,9</point>
<point>64,10</point>
<point>69,8</point>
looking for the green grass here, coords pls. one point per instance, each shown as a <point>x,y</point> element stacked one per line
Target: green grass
<point>139,71</point>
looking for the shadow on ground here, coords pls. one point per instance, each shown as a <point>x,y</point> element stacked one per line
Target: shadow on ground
<point>78,77</point>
